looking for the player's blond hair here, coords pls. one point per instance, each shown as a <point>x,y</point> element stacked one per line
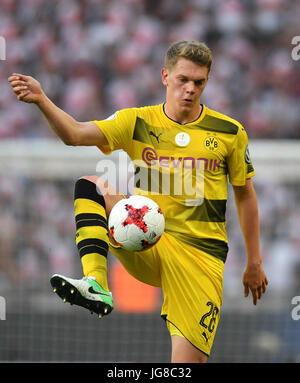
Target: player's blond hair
<point>192,50</point>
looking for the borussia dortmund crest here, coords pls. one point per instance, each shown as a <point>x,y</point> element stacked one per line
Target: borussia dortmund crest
<point>211,143</point>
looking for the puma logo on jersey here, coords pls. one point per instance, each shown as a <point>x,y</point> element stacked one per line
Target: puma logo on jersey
<point>205,336</point>
<point>154,135</point>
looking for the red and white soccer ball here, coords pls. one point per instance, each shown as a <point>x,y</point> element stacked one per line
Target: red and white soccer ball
<point>136,223</point>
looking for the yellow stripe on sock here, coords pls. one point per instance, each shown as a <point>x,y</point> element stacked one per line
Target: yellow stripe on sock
<point>86,232</point>
<point>83,205</point>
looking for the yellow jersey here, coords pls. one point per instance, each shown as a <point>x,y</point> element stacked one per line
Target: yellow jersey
<point>185,168</point>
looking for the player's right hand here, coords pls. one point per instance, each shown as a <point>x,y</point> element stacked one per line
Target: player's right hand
<point>26,88</point>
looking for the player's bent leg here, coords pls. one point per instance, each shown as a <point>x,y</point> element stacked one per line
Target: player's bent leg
<point>93,200</point>
<point>110,193</point>
<point>184,352</point>
<point>92,209</point>
<point>143,266</point>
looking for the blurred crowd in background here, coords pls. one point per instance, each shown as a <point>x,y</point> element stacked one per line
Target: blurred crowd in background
<point>94,57</point>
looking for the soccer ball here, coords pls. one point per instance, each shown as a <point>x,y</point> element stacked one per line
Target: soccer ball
<point>136,223</point>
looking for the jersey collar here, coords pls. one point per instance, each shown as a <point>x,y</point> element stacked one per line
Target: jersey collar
<point>173,122</point>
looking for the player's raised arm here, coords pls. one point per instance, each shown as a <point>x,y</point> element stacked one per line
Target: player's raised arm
<point>70,131</point>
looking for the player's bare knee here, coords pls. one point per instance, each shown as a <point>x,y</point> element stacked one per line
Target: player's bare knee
<point>93,179</point>
<point>103,187</point>
<point>109,192</point>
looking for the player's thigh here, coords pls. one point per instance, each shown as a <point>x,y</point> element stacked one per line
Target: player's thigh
<point>184,352</point>
<point>143,265</point>
<point>110,193</point>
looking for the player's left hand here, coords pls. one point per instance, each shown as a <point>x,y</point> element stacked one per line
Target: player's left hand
<point>254,280</point>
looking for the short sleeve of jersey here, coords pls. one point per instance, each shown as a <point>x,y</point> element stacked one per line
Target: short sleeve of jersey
<point>239,162</point>
<point>118,130</point>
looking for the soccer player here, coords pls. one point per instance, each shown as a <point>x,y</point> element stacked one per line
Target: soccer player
<point>179,136</point>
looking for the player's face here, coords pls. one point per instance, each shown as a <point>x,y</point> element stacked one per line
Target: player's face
<point>185,84</point>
